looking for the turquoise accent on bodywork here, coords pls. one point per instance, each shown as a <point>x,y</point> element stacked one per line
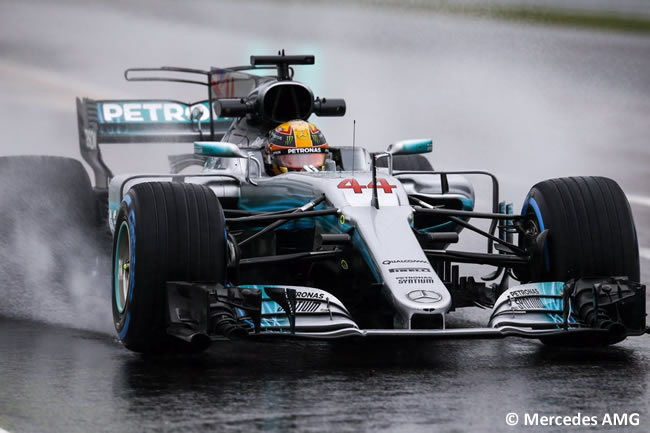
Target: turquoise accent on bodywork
<point>331,224</point>
<point>467,205</point>
<point>113,206</point>
<point>274,205</point>
<point>271,309</point>
<point>363,249</point>
<point>554,288</point>
<point>424,146</point>
<point>444,227</point>
<point>127,129</point>
<point>282,205</point>
<point>212,150</point>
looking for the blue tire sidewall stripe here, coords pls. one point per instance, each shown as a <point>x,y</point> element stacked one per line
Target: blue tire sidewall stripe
<point>131,222</point>
<point>132,263</point>
<point>125,328</point>
<point>538,214</point>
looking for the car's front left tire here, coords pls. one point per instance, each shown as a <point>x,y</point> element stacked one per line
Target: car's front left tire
<point>164,232</point>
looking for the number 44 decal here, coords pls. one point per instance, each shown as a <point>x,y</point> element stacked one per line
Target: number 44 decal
<point>358,189</point>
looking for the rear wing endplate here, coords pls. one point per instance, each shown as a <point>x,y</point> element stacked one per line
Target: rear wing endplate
<point>141,121</point>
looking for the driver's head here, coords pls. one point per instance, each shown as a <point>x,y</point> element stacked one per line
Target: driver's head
<point>294,146</point>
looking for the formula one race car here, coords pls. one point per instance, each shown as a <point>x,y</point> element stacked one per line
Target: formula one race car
<point>282,235</point>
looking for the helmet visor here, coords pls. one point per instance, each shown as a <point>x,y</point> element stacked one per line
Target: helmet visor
<point>297,162</point>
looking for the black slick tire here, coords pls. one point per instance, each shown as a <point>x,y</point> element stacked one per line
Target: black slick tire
<point>174,232</point>
<point>591,229</point>
<point>48,201</point>
<point>39,185</point>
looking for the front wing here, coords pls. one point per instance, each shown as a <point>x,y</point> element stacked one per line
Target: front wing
<point>582,312</point>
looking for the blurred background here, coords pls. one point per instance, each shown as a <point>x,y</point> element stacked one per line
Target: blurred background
<point>528,89</point>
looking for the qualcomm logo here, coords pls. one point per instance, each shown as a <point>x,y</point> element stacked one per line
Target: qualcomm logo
<point>424,296</point>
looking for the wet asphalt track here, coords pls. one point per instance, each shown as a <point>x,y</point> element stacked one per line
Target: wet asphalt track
<point>527,103</point>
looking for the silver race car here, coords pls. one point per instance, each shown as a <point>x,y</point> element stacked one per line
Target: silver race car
<point>280,235</point>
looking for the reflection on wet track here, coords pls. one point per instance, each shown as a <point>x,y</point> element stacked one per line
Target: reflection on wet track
<point>55,379</point>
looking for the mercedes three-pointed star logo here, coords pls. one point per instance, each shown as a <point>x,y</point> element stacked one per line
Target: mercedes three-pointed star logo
<point>424,296</point>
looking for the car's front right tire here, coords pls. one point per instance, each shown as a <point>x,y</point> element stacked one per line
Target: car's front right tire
<point>590,227</point>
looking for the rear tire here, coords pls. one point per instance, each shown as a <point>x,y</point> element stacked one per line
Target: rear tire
<point>48,230</point>
<point>591,229</point>
<point>34,185</point>
<point>173,232</point>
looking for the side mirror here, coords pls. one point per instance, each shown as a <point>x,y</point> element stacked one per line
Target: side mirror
<point>411,147</point>
<point>219,149</point>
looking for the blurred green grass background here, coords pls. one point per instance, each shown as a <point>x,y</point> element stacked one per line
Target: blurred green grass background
<point>595,16</point>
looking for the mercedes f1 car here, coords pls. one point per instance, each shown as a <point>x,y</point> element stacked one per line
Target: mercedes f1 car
<point>359,248</point>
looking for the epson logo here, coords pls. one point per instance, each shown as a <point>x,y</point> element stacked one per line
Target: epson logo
<point>148,112</point>
<point>304,150</point>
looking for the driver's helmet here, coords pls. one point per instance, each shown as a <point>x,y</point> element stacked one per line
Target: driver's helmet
<point>294,146</point>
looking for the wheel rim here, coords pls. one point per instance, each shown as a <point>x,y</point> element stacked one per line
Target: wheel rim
<point>122,269</point>
<point>531,226</point>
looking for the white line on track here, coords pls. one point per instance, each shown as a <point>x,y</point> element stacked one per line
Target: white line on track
<point>638,200</point>
<point>644,253</point>
<point>3,431</point>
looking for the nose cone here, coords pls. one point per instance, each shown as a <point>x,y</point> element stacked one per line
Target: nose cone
<point>420,299</point>
<point>421,309</point>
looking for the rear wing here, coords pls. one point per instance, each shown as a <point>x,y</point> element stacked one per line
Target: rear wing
<point>141,121</point>
<point>155,121</point>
